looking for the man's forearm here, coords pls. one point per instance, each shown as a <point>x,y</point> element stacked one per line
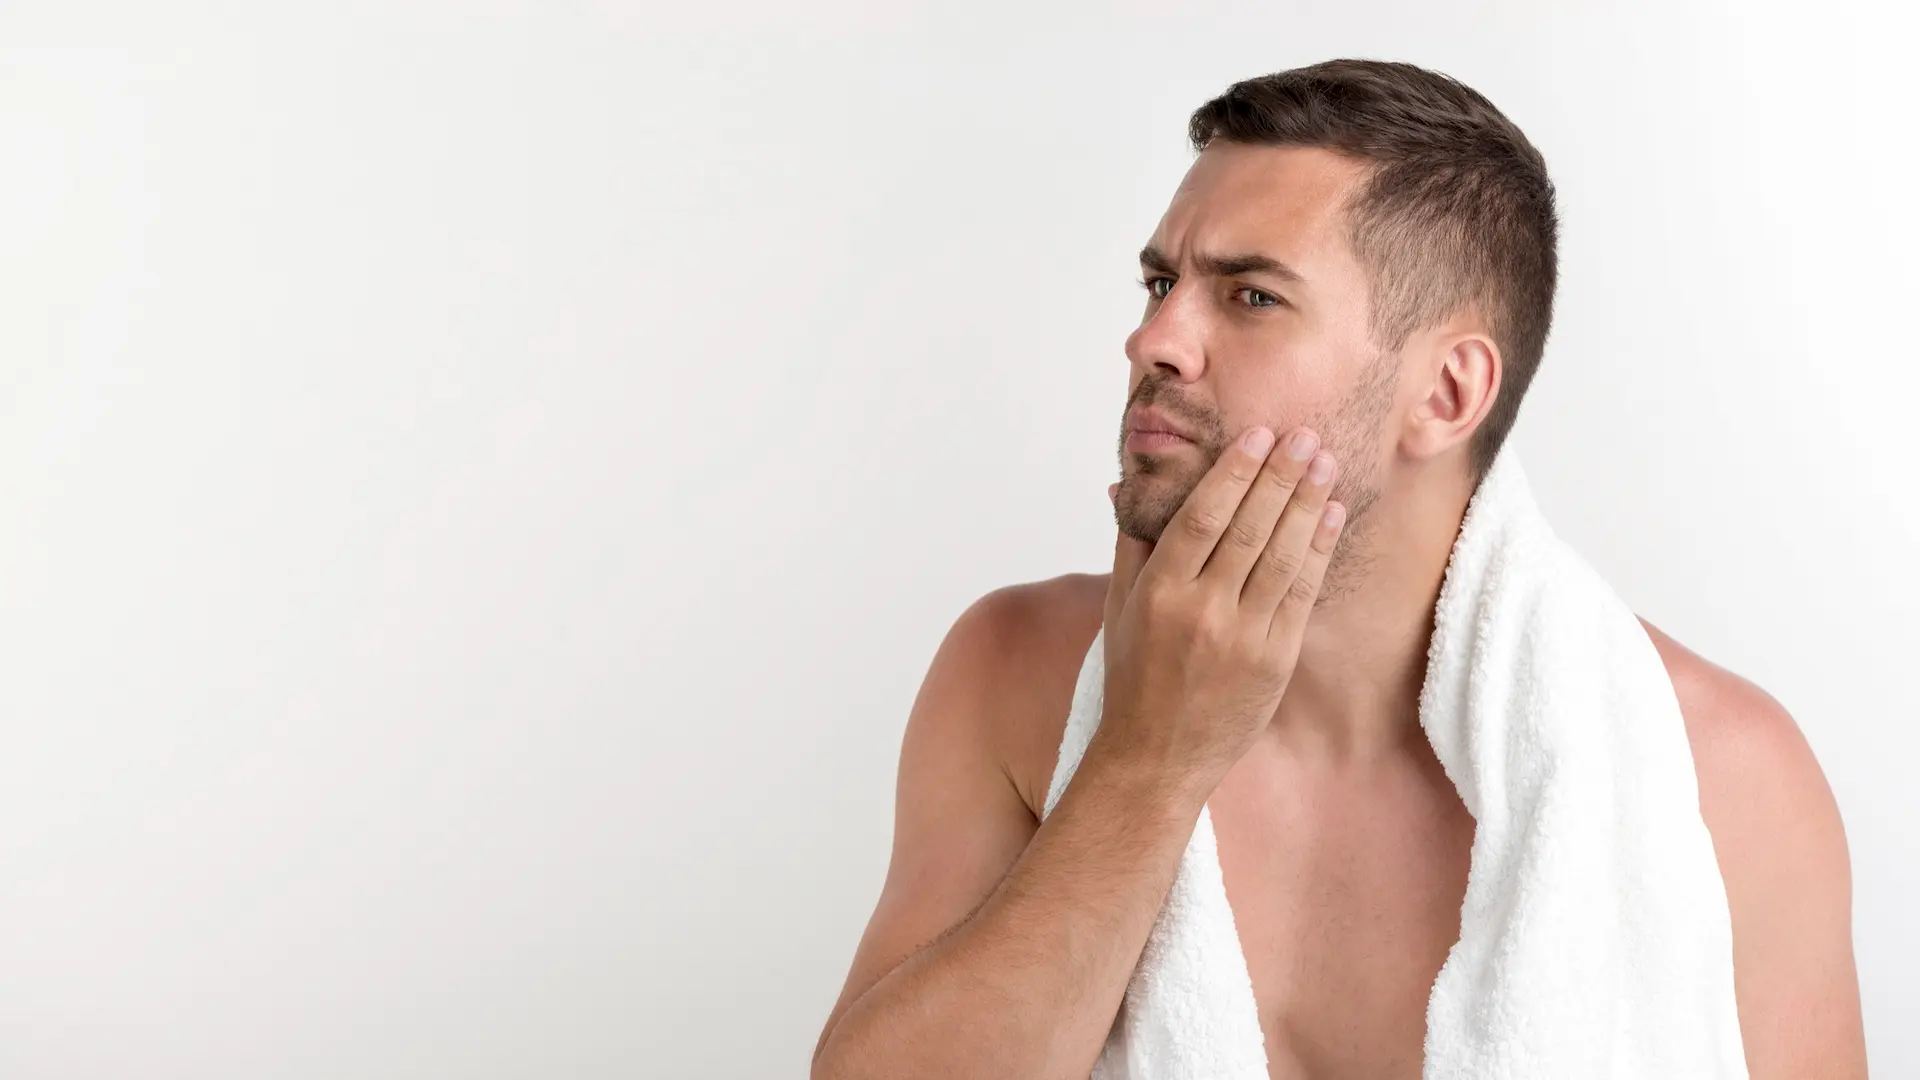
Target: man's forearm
<point>1029,984</point>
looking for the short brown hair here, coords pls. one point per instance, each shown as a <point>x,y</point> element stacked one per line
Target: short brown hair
<point>1456,212</point>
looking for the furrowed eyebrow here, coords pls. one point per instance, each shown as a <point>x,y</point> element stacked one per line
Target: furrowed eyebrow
<point>1155,260</point>
<point>1222,265</point>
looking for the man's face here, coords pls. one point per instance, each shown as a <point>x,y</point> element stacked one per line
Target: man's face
<point>1224,347</point>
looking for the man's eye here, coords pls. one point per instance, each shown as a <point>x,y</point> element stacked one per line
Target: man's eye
<point>1256,298</point>
<point>1153,288</point>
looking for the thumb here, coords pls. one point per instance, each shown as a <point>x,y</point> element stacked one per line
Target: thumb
<point>1129,557</point>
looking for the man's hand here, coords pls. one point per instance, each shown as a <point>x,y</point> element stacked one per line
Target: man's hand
<point>1203,629</point>
<point>1002,946</point>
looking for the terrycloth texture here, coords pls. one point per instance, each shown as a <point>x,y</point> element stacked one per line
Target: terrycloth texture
<point>1594,936</point>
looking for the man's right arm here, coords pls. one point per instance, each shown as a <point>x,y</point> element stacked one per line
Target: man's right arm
<point>1043,925</point>
<point>1203,631</point>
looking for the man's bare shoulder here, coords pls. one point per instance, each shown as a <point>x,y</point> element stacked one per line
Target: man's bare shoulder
<point>1034,636</point>
<point>1754,765</point>
<point>1742,737</point>
<point>1782,851</point>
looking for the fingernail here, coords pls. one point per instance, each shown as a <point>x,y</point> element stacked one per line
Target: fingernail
<point>1335,515</point>
<point>1321,468</point>
<point>1300,446</point>
<point>1259,441</point>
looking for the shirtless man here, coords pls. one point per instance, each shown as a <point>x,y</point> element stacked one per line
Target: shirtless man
<point>1266,661</point>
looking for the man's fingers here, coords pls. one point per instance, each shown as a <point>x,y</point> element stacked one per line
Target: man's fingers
<point>1196,528</point>
<point>1129,556</point>
<point>1287,549</point>
<point>1283,477</point>
<point>1302,590</point>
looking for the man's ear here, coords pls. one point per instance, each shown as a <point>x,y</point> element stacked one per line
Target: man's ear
<point>1463,376</point>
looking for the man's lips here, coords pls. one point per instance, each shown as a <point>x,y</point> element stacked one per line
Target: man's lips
<point>1146,422</point>
<point>1149,433</point>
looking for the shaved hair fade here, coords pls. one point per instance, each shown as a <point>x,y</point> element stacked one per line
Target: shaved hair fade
<point>1456,211</point>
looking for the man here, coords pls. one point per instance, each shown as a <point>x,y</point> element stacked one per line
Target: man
<point>1363,257</point>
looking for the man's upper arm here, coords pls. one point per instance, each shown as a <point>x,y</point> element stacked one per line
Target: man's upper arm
<point>1782,851</point>
<point>959,820</point>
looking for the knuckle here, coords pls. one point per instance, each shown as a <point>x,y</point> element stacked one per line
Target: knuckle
<point>1273,475</point>
<point>1282,560</point>
<point>1240,466</point>
<point>1303,590</point>
<point>1246,534</point>
<point>1201,524</point>
<point>1213,625</point>
<point>1155,601</point>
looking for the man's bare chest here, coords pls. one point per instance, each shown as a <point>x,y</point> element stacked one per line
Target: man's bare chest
<point>1345,884</point>
<point>1346,893</point>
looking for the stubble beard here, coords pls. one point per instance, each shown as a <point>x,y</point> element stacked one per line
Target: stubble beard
<point>1153,493</point>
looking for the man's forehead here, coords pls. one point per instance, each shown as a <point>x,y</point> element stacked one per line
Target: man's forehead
<point>1283,201</point>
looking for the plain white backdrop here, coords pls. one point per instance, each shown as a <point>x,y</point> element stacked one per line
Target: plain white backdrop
<point>483,484</point>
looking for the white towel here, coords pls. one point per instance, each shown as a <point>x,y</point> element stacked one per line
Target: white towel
<point>1594,936</point>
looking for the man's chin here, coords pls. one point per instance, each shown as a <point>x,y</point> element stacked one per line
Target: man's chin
<point>1146,503</point>
<point>1146,528</point>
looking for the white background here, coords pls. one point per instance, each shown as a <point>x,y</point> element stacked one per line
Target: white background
<point>482,488</point>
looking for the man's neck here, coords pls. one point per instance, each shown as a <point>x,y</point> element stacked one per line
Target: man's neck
<point>1355,691</point>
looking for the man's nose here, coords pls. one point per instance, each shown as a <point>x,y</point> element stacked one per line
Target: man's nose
<point>1170,338</point>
